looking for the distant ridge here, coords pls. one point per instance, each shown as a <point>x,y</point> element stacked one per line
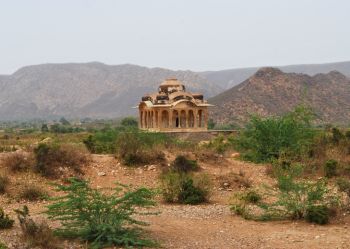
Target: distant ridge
<point>273,92</point>
<point>85,89</point>
<point>231,77</point>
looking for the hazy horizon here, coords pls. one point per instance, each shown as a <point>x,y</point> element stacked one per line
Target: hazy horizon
<point>182,35</point>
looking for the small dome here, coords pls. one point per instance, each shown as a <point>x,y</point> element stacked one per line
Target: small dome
<point>171,82</point>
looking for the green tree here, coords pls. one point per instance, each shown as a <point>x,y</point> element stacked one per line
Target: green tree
<point>265,139</point>
<point>211,124</point>
<point>104,220</point>
<point>129,122</point>
<point>44,128</point>
<point>64,121</point>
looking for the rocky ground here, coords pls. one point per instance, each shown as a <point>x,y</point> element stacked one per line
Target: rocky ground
<point>209,225</point>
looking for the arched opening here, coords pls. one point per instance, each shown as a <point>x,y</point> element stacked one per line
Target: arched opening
<point>165,119</point>
<point>200,118</point>
<point>190,118</point>
<point>183,119</point>
<point>176,119</point>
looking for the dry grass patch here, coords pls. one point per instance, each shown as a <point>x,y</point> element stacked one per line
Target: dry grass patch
<point>234,180</point>
<point>36,234</point>
<point>33,193</point>
<point>4,182</point>
<point>18,161</point>
<point>52,159</point>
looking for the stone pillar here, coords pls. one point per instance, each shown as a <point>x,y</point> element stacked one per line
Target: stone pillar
<point>144,119</point>
<point>170,118</point>
<point>205,125</point>
<point>140,119</point>
<point>154,119</point>
<point>147,118</point>
<point>150,119</point>
<point>159,119</point>
<point>195,118</point>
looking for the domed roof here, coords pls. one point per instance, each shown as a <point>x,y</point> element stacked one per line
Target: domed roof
<point>171,82</point>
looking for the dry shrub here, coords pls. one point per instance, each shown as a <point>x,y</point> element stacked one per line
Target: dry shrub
<point>36,234</point>
<point>33,193</point>
<point>269,170</point>
<point>234,180</point>
<point>4,181</point>
<point>205,154</point>
<point>18,161</point>
<point>183,164</point>
<point>51,158</point>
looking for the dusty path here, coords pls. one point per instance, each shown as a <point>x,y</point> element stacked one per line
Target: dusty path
<point>213,226</point>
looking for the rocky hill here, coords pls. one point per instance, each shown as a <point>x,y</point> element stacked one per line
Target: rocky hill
<point>85,89</point>
<point>270,91</point>
<point>232,77</point>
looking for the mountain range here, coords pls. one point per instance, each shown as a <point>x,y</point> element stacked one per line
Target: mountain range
<point>273,92</point>
<point>97,90</point>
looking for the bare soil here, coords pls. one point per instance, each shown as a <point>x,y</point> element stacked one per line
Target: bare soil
<point>210,225</point>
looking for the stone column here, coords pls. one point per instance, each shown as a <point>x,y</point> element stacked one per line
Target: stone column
<point>144,119</point>
<point>140,119</point>
<point>205,125</point>
<point>150,119</point>
<point>147,118</point>
<point>195,118</point>
<point>170,118</point>
<point>154,119</point>
<point>159,119</point>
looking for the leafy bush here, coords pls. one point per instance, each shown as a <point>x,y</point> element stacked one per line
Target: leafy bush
<point>219,144</point>
<point>252,197</point>
<point>18,161</point>
<point>347,134</point>
<point>337,135</point>
<point>33,193</point>
<point>50,157</point>
<point>36,235</point>
<point>102,142</point>
<point>4,181</point>
<point>129,122</point>
<point>5,221</point>
<point>101,219</point>
<point>330,168</point>
<point>294,199</point>
<point>185,188</point>
<point>265,139</point>
<point>317,214</point>
<point>183,164</point>
<point>190,194</point>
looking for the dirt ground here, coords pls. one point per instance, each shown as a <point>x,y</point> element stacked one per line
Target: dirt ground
<point>209,225</point>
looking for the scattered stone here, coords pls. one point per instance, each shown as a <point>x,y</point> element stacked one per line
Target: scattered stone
<point>151,167</point>
<point>101,173</point>
<point>46,140</point>
<point>235,155</point>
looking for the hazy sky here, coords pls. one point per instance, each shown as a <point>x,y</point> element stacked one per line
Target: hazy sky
<point>176,34</point>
